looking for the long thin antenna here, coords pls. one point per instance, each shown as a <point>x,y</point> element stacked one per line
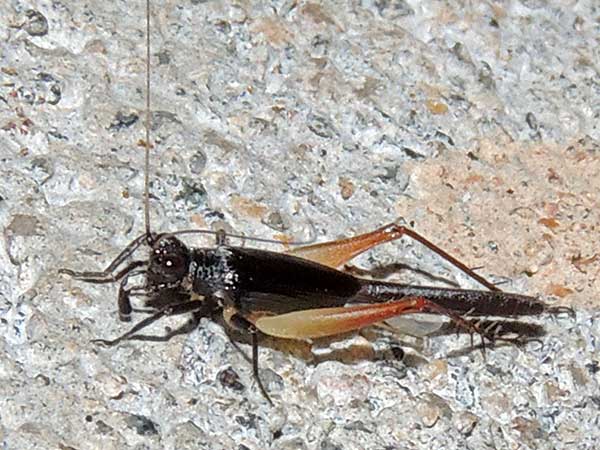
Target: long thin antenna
<point>147,155</point>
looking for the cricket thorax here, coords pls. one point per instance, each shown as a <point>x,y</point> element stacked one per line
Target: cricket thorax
<point>211,270</point>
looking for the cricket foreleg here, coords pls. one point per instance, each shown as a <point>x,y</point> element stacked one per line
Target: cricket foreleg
<point>186,328</point>
<point>174,310</point>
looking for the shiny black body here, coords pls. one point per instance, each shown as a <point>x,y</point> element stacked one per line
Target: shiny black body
<point>258,280</point>
<point>252,280</point>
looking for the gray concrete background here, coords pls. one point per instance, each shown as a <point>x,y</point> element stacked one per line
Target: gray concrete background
<point>477,123</point>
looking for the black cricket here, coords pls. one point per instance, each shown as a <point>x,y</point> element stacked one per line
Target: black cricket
<point>299,294</point>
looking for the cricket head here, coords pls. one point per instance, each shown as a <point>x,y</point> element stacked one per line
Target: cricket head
<point>169,261</point>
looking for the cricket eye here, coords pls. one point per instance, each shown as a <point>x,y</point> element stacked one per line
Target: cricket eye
<point>174,263</point>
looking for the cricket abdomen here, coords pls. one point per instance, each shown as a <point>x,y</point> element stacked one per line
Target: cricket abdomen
<point>473,302</point>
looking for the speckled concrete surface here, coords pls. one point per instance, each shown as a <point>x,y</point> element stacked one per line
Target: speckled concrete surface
<point>476,123</point>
